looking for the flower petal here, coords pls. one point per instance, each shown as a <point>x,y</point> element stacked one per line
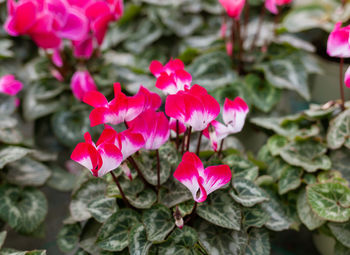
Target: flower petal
<point>215,177</point>
<point>111,158</point>
<point>234,114</point>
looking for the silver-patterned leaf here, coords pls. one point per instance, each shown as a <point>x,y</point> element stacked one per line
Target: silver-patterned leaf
<point>290,179</point>
<point>158,221</point>
<point>218,241</point>
<point>23,209</point>
<point>341,231</point>
<point>306,215</point>
<point>102,209</point>
<point>330,201</point>
<point>91,190</point>
<point>259,242</point>
<point>12,153</point>
<point>3,235</point>
<point>68,237</point>
<point>138,243</point>
<point>113,235</point>
<point>242,168</point>
<point>247,193</point>
<point>221,210</point>
<point>27,172</point>
<point>61,179</point>
<point>254,217</point>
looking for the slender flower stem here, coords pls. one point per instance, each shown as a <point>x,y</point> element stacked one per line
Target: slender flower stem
<point>136,167</point>
<point>199,142</point>
<point>261,19</point>
<point>115,179</point>
<point>240,45</point>
<point>188,139</point>
<point>183,142</point>
<point>193,212</point>
<point>158,171</point>
<point>341,87</point>
<point>221,146</point>
<point>177,135</point>
<point>276,21</point>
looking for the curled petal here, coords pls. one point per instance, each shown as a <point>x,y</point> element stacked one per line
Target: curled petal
<point>95,99</point>
<point>86,155</point>
<point>338,42</point>
<point>234,114</point>
<point>9,85</point>
<point>215,177</point>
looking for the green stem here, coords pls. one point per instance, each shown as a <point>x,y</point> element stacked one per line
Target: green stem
<point>115,179</point>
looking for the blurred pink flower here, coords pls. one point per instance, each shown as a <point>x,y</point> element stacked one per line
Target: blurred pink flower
<point>338,42</point>
<point>271,5</point>
<point>9,85</point>
<point>81,83</point>
<point>233,7</point>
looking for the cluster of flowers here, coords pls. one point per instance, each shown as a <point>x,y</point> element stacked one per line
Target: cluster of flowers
<point>47,22</point>
<point>189,107</point>
<point>338,45</point>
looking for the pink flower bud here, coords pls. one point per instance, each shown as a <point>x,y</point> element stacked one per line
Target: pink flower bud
<point>82,83</point>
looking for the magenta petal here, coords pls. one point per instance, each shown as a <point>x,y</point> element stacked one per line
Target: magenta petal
<point>152,100</point>
<point>10,86</point>
<point>86,155</point>
<point>271,6</point>
<point>24,16</point>
<point>56,58</point>
<point>95,99</point>
<point>234,114</point>
<point>97,9</point>
<point>102,115</point>
<point>76,27</point>
<point>108,136</point>
<point>233,7</point>
<point>156,68</point>
<point>84,48</point>
<point>82,83</point>
<point>215,177</point>
<point>338,42</point>
<point>100,26</point>
<point>187,174</point>
<point>153,126</point>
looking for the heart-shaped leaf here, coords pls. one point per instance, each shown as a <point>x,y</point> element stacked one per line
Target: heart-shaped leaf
<point>259,242</point>
<point>330,201</point>
<point>27,172</point>
<point>306,215</point>
<point>23,209</point>
<point>12,153</point>
<point>339,131</point>
<point>220,209</point>
<point>254,217</point>
<point>290,179</point>
<point>68,237</point>
<point>241,167</point>
<point>341,231</point>
<point>114,234</point>
<point>218,240</point>
<point>138,243</point>
<point>102,209</point>
<point>247,193</point>
<point>158,222</point>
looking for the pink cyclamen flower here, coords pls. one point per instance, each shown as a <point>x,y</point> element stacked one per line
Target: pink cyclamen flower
<point>152,100</point>
<point>233,7</point>
<point>128,141</point>
<point>120,109</point>
<point>271,5</point>
<point>338,42</point>
<point>100,159</point>
<point>172,77</point>
<point>153,126</point>
<point>81,83</point>
<point>9,85</point>
<point>194,107</point>
<point>201,182</point>
<point>234,115</point>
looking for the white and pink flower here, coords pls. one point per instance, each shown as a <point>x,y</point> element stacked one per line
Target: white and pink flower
<point>153,126</point>
<point>194,107</point>
<point>201,182</point>
<point>99,158</point>
<point>9,85</point>
<point>172,77</point>
<point>121,109</point>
